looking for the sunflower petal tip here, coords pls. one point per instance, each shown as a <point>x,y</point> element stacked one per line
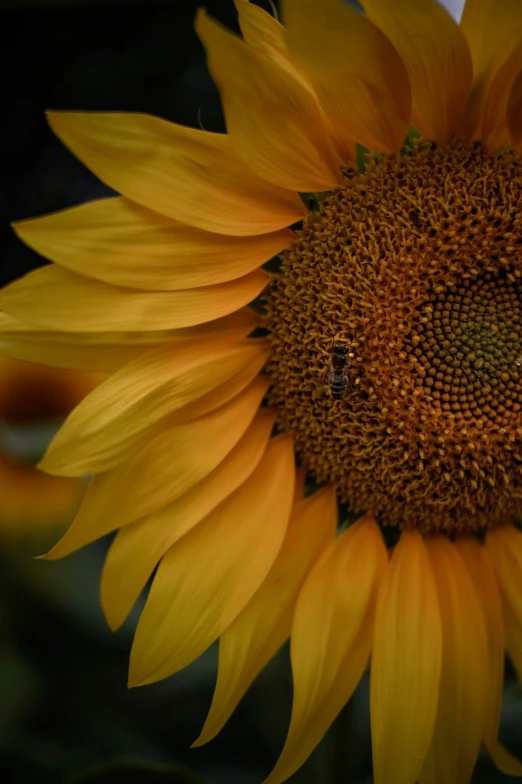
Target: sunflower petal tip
<point>113,622</point>
<point>49,464</point>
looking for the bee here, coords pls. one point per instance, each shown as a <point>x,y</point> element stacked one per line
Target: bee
<point>338,377</point>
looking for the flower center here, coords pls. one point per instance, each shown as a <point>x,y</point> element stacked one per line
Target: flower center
<point>396,333</point>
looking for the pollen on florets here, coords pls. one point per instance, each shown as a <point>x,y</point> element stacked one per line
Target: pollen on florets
<point>417,264</point>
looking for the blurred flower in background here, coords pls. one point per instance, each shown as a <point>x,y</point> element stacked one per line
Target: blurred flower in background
<point>34,401</point>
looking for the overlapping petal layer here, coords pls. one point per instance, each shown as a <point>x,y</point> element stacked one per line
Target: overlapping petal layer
<point>504,545</point>
<point>406,663</point>
<point>273,120</point>
<point>164,468</point>
<point>144,542</point>
<point>493,30</point>
<point>480,567</point>
<point>56,299</point>
<point>208,577</point>
<point>249,643</point>
<point>108,351</point>
<point>119,242</point>
<point>358,76</point>
<point>461,713</point>
<point>105,426</point>
<point>437,59</point>
<point>331,638</point>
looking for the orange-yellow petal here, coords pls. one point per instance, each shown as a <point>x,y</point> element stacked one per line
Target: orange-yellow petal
<point>461,714</point>
<point>161,470</point>
<point>139,546</point>
<point>206,579</point>
<point>358,76</point>
<point>110,421</point>
<point>119,242</point>
<point>261,30</point>
<point>273,119</point>
<point>406,662</point>
<point>493,29</point>
<point>436,56</point>
<point>331,638</point>
<point>480,567</point>
<point>108,351</point>
<point>57,299</point>
<point>190,175</point>
<point>504,544</point>
<point>259,631</point>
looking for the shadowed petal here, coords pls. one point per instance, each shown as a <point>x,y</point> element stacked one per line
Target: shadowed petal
<point>263,626</point>
<point>437,59</point>
<point>514,112</point>
<point>206,579</point>
<point>359,78</point>
<point>406,661</point>
<point>504,545</point>
<point>493,30</point>
<point>461,714</point>
<point>480,567</point>
<point>331,638</point>
<point>144,542</point>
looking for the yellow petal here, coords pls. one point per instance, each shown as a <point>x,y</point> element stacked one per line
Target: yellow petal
<point>331,638</point>
<point>119,242</point>
<point>206,579</point>
<point>108,351</point>
<point>461,715</point>
<point>190,175</point>
<point>493,29</point>
<point>108,423</point>
<point>406,662</point>
<point>143,543</point>
<point>161,470</point>
<point>261,30</point>
<point>437,59</point>
<point>480,567</point>
<point>504,545</point>
<point>273,119</point>
<point>259,631</point>
<point>359,78</point>
<point>57,299</point>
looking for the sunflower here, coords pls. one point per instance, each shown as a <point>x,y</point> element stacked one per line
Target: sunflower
<point>32,396</point>
<point>374,160</point>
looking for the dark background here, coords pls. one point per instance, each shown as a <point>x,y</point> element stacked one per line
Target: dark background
<point>65,712</point>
